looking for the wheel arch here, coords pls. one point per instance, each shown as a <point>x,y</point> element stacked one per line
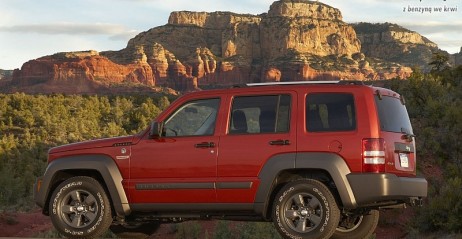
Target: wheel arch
<point>100,167</point>
<point>281,169</point>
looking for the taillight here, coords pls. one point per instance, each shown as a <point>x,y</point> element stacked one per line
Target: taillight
<point>373,155</point>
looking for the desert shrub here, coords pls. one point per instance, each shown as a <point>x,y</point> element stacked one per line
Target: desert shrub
<point>188,230</point>
<point>434,103</point>
<point>256,230</point>
<point>245,230</point>
<point>443,211</point>
<point>31,124</point>
<point>223,230</point>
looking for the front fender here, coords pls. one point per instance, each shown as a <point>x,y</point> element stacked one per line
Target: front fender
<point>104,165</point>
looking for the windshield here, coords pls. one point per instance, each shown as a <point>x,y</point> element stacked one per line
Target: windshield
<point>393,115</point>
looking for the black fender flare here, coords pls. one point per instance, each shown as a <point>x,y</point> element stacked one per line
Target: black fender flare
<point>103,164</point>
<point>329,162</point>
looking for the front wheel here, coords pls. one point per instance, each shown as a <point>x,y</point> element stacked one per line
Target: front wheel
<point>357,226</point>
<point>305,209</point>
<point>80,208</point>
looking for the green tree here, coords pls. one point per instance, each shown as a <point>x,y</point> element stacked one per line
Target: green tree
<point>439,61</point>
<point>435,107</point>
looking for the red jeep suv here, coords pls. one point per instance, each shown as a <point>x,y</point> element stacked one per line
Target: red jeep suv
<point>318,159</point>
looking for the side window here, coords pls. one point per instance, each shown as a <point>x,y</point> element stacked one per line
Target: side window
<point>193,118</point>
<point>260,114</point>
<point>330,112</point>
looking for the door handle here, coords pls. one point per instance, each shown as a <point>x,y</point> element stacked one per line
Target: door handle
<point>280,142</point>
<point>204,145</point>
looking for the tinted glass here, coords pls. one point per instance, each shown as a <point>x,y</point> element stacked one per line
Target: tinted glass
<point>193,118</point>
<point>330,112</point>
<point>260,114</point>
<point>393,115</point>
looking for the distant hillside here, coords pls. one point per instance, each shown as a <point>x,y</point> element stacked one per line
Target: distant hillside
<point>391,42</point>
<point>295,40</point>
<point>457,58</point>
<point>5,74</point>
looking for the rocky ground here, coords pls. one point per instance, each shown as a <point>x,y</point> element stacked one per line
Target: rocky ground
<point>32,224</point>
<point>23,224</point>
<point>393,224</point>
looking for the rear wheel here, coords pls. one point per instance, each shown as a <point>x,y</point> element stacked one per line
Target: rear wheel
<point>305,209</point>
<point>135,231</point>
<point>357,226</point>
<point>80,208</point>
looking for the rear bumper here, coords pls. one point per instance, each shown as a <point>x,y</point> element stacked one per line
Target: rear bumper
<point>370,189</point>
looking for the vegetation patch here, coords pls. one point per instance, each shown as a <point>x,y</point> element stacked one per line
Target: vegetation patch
<point>31,124</point>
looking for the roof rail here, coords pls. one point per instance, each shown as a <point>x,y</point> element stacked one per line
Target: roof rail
<point>351,82</point>
<point>292,83</point>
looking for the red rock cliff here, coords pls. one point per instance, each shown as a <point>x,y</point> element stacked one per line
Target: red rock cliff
<point>295,40</point>
<point>79,72</point>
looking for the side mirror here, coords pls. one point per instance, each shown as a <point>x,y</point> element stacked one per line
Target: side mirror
<point>155,131</point>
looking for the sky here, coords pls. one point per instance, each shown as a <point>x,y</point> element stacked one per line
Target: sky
<point>30,29</point>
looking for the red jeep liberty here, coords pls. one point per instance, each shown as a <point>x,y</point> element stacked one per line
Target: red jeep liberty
<point>318,159</point>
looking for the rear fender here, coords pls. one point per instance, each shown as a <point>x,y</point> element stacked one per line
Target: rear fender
<point>331,163</point>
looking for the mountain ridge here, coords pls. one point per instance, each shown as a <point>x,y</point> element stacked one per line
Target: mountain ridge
<point>295,40</point>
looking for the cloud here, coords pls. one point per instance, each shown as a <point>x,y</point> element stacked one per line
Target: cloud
<point>69,28</point>
<point>448,35</point>
<point>124,36</point>
<point>435,27</point>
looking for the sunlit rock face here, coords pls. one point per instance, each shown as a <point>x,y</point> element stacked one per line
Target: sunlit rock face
<point>296,40</point>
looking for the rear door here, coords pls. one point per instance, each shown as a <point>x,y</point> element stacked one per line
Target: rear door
<point>259,127</point>
<point>396,130</point>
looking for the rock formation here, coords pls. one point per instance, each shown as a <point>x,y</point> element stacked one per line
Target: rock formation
<point>79,72</point>
<point>5,78</point>
<point>295,40</point>
<point>457,58</point>
<point>4,74</point>
<point>394,43</point>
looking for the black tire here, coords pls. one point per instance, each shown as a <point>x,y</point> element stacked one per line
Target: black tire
<point>135,231</point>
<point>357,227</point>
<point>80,208</point>
<point>305,209</point>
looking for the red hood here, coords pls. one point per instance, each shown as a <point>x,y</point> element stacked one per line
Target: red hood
<point>92,144</point>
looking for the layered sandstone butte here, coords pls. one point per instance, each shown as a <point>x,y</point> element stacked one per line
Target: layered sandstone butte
<point>78,72</point>
<point>295,40</point>
<point>394,43</point>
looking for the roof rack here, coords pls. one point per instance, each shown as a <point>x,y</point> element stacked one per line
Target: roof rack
<point>292,83</point>
<point>341,82</point>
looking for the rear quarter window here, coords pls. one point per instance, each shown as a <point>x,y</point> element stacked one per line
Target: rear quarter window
<point>393,115</point>
<point>330,112</point>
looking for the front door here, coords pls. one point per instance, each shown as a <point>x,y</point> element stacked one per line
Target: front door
<point>180,165</point>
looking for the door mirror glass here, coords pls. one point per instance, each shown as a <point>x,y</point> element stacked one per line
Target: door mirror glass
<point>155,131</point>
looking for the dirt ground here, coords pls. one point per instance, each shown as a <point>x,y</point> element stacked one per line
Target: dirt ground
<point>29,225</point>
<point>23,224</point>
